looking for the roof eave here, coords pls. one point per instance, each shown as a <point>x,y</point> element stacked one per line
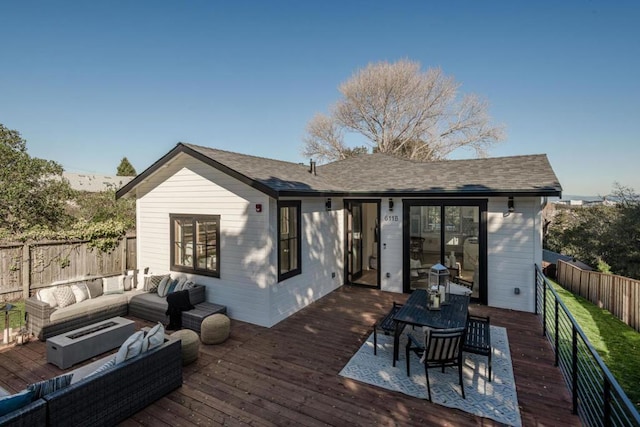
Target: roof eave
<point>548,192</point>
<point>181,148</point>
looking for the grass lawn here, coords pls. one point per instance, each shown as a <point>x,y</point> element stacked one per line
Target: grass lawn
<point>15,319</point>
<point>617,344</point>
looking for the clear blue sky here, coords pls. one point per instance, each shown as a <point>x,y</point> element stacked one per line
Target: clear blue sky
<point>87,83</point>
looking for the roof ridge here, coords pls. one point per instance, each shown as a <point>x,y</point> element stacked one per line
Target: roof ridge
<point>415,161</point>
<point>235,153</point>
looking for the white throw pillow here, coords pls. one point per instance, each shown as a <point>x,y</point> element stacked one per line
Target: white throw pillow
<point>181,284</point>
<point>130,348</point>
<point>64,296</point>
<point>153,338</point>
<point>163,287</point>
<point>113,285</point>
<point>46,295</point>
<point>80,291</point>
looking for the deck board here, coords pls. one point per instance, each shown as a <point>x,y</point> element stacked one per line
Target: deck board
<point>288,374</point>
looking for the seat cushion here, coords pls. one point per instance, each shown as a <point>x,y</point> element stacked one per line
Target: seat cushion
<point>88,306</point>
<point>150,300</point>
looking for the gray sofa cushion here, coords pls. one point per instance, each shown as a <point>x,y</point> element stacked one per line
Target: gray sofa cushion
<point>152,307</point>
<point>89,306</point>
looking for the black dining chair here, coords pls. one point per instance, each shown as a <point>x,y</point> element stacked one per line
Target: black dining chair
<point>442,348</point>
<point>386,325</point>
<point>478,338</point>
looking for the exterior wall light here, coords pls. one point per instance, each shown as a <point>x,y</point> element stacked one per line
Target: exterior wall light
<point>390,204</point>
<point>327,204</point>
<point>510,205</point>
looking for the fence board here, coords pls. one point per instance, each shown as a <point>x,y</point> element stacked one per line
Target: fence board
<point>620,295</point>
<point>25,268</point>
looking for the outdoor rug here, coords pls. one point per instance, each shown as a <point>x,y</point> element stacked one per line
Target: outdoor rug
<point>496,399</point>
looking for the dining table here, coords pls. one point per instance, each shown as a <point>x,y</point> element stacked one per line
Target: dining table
<point>452,314</point>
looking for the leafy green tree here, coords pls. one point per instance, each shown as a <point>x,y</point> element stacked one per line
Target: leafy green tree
<point>126,168</point>
<point>604,236</point>
<point>34,193</point>
<point>103,207</point>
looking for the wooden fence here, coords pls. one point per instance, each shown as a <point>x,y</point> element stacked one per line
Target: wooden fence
<point>24,268</point>
<point>620,295</point>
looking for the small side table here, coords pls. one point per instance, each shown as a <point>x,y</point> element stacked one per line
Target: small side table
<point>9,309</point>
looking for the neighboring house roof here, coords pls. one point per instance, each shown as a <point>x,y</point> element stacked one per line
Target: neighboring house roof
<point>377,174</point>
<point>95,183</point>
<point>553,258</point>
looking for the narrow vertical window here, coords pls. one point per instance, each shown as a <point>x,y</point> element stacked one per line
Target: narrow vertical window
<point>288,239</point>
<point>195,244</point>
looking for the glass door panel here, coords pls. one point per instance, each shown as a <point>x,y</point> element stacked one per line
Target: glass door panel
<point>443,234</point>
<point>362,228</point>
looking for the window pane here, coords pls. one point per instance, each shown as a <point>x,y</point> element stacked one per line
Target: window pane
<point>183,232</point>
<point>288,239</point>
<point>284,222</point>
<point>284,256</point>
<point>206,245</point>
<point>293,222</point>
<point>293,254</point>
<point>195,243</point>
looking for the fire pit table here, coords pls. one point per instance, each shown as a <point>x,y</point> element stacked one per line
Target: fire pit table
<point>81,344</point>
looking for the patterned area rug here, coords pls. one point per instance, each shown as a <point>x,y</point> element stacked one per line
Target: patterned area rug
<point>496,399</point>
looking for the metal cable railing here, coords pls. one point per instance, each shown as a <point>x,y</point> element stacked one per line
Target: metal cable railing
<point>597,397</point>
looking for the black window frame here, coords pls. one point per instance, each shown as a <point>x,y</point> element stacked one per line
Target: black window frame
<point>298,270</point>
<point>172,242</point>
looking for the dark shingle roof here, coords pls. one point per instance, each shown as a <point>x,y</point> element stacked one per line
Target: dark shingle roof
<point>381,172</point>
<point>378,174</point>
<point>275,174</point>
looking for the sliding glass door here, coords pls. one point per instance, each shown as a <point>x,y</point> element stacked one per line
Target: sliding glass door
<point>448,232</point>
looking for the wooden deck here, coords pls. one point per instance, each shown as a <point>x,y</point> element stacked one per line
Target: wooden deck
<point>288,374</point>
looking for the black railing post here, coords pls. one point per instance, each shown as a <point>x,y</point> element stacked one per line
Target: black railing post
<point>535,273</point>
<point>574,368</point>
<point>557,337</point>
<point>607,402</point>
<point>544,309</point>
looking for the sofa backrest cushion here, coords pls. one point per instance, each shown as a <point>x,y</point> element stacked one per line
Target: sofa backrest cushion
<point>80,291</point>
<point>151,283</point>
<point>64,296</point>
<point>113,285</point>
<point>94,286</point>
<point>130,348</point>
<point>196,294</point>
<point>46,295</point>
<point>16,401</point>
<point>42,388</point>
<point>163,287</point>
<point>153,338</point>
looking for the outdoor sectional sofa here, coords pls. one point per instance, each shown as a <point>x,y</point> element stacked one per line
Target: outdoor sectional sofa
<point>108,396</point>
<point>44,321</point>
<point>115,394</point>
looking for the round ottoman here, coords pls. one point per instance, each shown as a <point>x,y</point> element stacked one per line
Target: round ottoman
<point>190,345</point>
<point>215,329</point>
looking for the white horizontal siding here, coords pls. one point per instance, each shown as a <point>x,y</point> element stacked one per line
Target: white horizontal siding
<point>189,186</point>
<point>322,254</point>
<point>514,246</point>
<point>391,246</point>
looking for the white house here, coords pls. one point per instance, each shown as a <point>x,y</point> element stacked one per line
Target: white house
<point>269,237</point>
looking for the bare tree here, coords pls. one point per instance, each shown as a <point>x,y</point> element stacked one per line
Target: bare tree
<point>402,111</point>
